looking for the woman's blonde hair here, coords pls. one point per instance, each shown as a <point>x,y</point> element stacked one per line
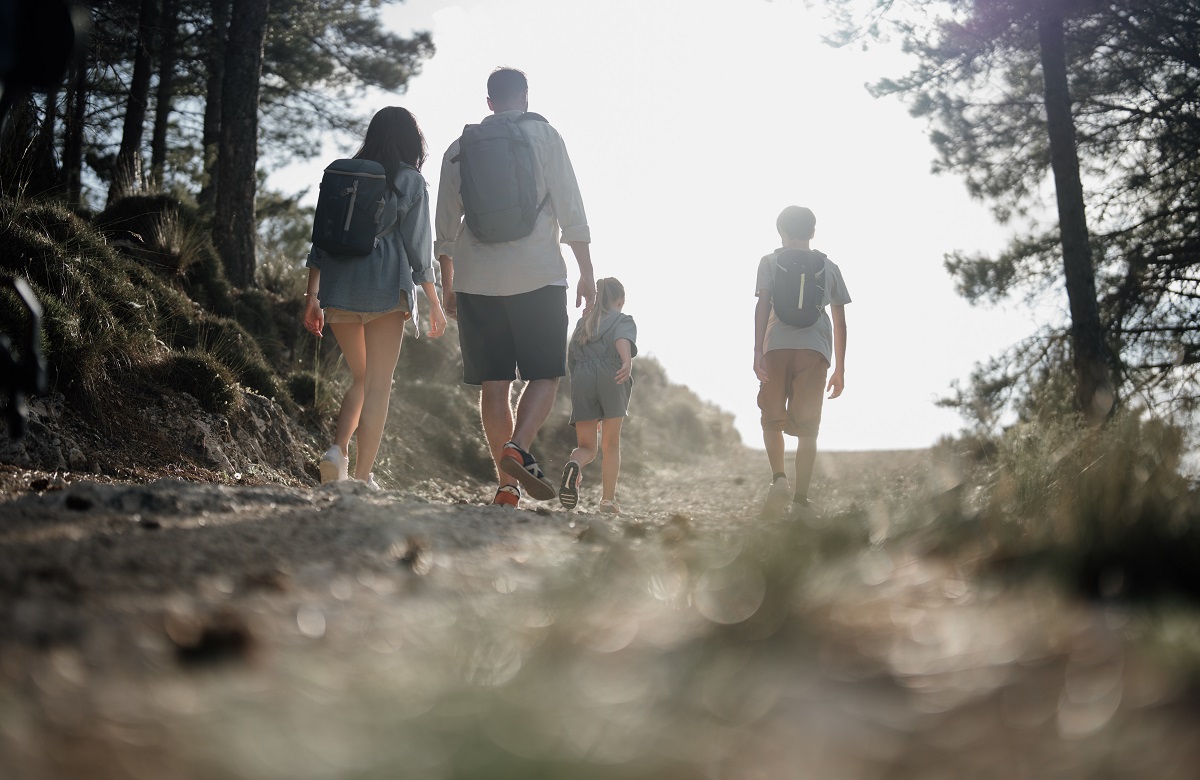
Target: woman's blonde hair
<point>608,292</point>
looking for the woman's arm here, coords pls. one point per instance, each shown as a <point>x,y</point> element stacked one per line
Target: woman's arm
<point>437,317</point>
<point>314,317</point>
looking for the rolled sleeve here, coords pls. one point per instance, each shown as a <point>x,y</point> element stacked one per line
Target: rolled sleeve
<point>418,241</point>
<point>564,192</point>
<point>449,214</point>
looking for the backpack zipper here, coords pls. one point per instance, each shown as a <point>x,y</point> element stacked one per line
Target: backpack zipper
<point>350,209</point>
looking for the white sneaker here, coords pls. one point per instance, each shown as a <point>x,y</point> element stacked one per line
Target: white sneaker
<point>334,465</point>
<point>371,484</point>
<point>778,496</point>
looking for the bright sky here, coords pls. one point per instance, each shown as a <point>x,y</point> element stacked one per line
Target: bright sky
<point>691,124</point>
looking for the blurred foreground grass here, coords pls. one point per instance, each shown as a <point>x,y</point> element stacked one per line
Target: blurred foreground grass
<point>929,625</point>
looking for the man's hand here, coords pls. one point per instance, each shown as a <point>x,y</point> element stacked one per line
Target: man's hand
<point>836,383</point>
<point>449,299</point>
<point>760,366</point>
<point>586,293</point>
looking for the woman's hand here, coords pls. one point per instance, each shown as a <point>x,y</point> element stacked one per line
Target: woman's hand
<point>314,316</point>
<point>625,372</point>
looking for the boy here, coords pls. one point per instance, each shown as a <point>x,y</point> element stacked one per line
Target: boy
<point>792,362</point>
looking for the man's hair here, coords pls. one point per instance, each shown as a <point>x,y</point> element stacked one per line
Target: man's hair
<point>506,84</point>
<point>796,222</point>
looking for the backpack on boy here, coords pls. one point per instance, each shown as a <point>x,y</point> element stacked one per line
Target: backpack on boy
<point>798,294</point>
<point>499,188</point>
<point>353,208</point>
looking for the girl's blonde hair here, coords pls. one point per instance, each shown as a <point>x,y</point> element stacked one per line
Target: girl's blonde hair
<point>608,292</point>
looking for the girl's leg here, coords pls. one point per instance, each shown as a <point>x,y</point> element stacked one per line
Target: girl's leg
<point>585,439</point>
<point>610,443</point>
<point>351,340</point>
<point>383,339</point>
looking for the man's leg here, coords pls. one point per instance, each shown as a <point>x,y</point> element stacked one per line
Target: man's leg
<point>537,399</point>
<point>495,411</point>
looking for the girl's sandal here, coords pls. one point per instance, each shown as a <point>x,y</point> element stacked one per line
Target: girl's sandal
<point>609,507</point>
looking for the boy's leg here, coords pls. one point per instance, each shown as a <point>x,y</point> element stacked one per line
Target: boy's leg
<point>610,468</point>
<point>804,415</point>
<point>383,337</point>
<point>773,402</point>
<point>806,458</point>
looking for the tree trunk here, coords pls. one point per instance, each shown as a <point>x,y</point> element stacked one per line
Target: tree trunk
<point>127,172</point>
<point>234,227</point>
<point>73,136</point>
<point>43,167</point>
<point>1095,388</point>
<point>218,38</point>
<point>166,92</point>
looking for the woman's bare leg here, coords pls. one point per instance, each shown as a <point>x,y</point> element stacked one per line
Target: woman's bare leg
<point>383,338</point>
<point>352,342</point>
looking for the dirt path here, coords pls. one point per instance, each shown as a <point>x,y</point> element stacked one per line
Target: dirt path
<point>181,630</point>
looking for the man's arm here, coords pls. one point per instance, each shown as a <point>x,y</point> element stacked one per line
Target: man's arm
<point>586,291</point>
<point>762,312</point>
<point>837,380</point>
<point>449,299</point>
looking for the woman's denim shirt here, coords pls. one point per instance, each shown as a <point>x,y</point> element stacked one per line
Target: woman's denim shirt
<point>401,259</point>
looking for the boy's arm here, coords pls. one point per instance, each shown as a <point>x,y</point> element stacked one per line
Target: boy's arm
<point>626,354</point>
<point>762,312</point>
<point>837,380</point>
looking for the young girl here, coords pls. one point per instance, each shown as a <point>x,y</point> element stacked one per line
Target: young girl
<point>367,300</point>
<point>600,361</point>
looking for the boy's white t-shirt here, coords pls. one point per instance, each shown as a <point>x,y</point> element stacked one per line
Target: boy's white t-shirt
<point>819,336</point>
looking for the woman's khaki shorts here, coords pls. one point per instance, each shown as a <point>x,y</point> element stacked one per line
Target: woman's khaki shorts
<point>340,316</point>
<point>791,397</point>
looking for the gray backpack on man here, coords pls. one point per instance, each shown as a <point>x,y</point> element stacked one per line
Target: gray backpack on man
<point>499,188</point>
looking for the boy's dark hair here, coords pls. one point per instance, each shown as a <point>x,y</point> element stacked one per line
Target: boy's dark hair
<point>393,137</point>
<point>796,222</point>
<point>506,84</point>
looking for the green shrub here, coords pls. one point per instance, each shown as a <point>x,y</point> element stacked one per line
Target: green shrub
<point>202,376</point>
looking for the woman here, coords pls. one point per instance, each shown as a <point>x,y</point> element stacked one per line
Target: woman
<point>366,300</point>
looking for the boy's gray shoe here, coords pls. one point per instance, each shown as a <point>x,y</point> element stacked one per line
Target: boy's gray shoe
<point>778,496</point>
<point>804,511</point>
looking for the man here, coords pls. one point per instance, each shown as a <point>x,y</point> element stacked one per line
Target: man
<point>509,294</point>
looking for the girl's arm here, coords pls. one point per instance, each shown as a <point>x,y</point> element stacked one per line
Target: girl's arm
<point>437,317</point>
<point>626,369</point>
<point>314,317</point>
